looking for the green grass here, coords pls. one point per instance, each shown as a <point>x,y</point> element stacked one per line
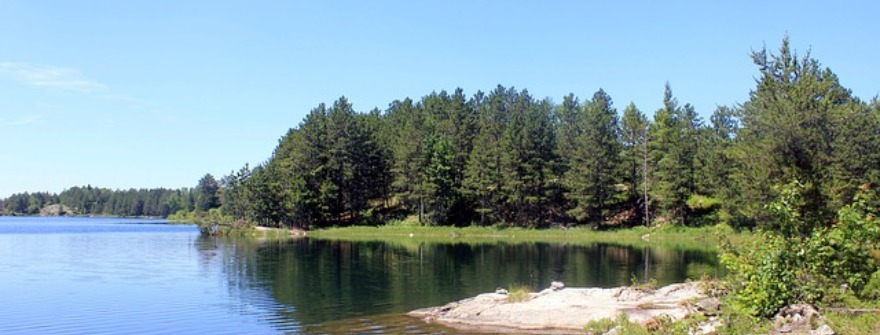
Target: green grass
<point>855,324</point>
<point>518,293</point>
<point>600,326</point>
<point>622,323</point>
<point>702,238</point>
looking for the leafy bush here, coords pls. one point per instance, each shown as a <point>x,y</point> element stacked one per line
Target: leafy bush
<point>213,222</point>
<point>872,288</point>
<point>801,260</point>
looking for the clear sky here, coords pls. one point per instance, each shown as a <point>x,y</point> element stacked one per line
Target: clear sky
<point>157,93</point>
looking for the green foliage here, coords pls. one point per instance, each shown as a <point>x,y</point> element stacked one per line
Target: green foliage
<point>801,263</point>
<point>518,293</point>
<point>738,322</point>
<point>207,193</point>
<point>674,146</point>
<point>801,124</point>
<point>600,326</point>
<point>325,172</point>
<point>703,209</point>
<point>622,325</point>
<point>872,288</point>
<point>89,200</point>
<point>854,324</point>
<point>591,171</point>
<point>647,285</point>
<point>214,222</point>
<point>763,275</point>
<point>699,204</point>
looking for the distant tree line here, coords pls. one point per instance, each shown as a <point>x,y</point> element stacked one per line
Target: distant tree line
<point>88,200</point>
<point>505,157</point>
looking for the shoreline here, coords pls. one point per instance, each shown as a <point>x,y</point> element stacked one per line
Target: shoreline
<point>702,238</point>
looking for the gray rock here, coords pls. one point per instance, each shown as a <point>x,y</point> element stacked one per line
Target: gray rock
<point>709,307</point>
<point>501,291</point>
<point>824,329</point>
<point>557,285</point>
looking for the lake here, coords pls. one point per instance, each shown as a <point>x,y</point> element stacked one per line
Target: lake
<point>128,276</point>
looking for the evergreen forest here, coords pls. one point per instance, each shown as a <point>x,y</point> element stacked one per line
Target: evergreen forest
<point>506,158</point>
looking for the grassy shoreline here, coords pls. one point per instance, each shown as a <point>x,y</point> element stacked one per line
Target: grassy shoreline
<point>691,238</point>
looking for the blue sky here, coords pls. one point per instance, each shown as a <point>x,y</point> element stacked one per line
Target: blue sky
<point>157,93</point>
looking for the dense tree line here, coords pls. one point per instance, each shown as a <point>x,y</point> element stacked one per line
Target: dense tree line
<point>88,200</point>
<point>505,157</point>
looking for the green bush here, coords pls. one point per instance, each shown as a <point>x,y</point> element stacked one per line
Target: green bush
<point>872,288</point>
<point>703,210</point>
<point>214,222</point>
<point>800,261</point>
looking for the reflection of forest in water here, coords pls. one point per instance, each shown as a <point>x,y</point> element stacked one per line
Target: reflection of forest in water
<point>310,281</point>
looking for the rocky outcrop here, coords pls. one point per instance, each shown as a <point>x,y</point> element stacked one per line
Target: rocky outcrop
<point>566,310</point>
<point>800,319</point>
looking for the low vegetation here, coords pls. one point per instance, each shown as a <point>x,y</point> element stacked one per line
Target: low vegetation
<point>697,238</point>
<point>518,293</point>
<point>623,325</point>
<point>214,222</point>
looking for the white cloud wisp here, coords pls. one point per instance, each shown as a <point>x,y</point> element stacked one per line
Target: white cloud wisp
<point>50,77</point>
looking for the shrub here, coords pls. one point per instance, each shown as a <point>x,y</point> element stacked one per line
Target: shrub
<point>518,293</point>
<point>872,288</point>
<point>801,260</point>
<point>600,326</point>
<point>703,209</point>
<point>622,323</point>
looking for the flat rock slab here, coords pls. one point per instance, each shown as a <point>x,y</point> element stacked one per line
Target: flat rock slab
<point>566,310</point>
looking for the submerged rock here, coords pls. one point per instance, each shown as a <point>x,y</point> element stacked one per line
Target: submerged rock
<point>567,310</point>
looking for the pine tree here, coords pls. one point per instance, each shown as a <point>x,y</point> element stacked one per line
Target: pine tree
<point>527,159</point>
<point>407,134</point>
<point>633,136</point>
<point>795,128</point>
<point>674,148</point>
<point>594,161</point>
<point>207,196</point>
<point>483,176</point>
<point>633,132</point>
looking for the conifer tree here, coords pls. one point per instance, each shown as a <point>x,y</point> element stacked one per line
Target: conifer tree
<point>800,124</point>
<point>593,163</point>
<point>673,149</point>
<point>483,175</point>
<point>634,158</point>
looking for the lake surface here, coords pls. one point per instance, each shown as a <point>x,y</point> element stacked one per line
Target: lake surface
<point>123,276</point>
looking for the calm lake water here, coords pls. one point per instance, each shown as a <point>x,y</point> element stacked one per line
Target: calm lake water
<point>122,276</point>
